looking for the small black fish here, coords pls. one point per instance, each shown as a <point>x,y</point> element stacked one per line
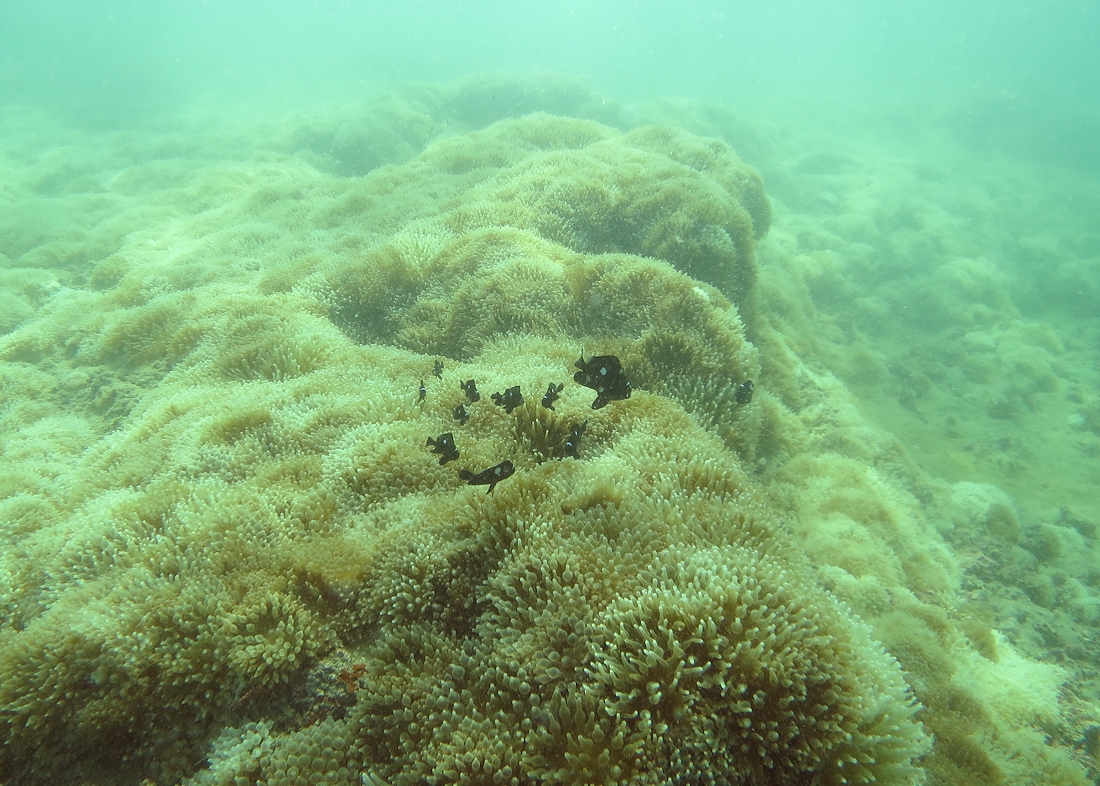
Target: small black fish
<point>460,414</point>
<point>510,399</point>
<point>444,447</point>
<point>552,393</point>
<point>604,374</point>
<point>492,476</point>
<point>437,369</point>
<point>470,389</point>
<point>423,390</point>
<point>572,443</point>
<point>743,393</point>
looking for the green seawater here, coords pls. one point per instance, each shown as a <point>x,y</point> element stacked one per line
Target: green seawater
<point>926,303</point>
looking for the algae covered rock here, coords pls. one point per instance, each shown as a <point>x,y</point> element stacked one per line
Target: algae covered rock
<point>626,612</point>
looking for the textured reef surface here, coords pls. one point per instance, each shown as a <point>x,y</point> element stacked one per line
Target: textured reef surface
<point>259,528</point>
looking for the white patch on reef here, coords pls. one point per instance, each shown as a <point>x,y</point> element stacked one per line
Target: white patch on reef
<point>970,502</point>
<point>1020,692</point>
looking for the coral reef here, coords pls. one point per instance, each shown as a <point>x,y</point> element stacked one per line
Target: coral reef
<point>229,556</point>
<point>624,618</point>
<point>625,614</point>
